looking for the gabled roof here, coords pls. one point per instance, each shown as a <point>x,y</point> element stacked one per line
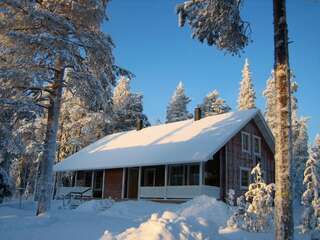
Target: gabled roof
<point>179,142</point>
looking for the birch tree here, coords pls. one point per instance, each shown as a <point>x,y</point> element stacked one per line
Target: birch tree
<point>47,46</point>
<point>219,23</point>
<point>247,95</point>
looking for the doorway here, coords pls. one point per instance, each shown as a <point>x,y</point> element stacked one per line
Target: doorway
<point>133,183</point>
<point>97,184</point>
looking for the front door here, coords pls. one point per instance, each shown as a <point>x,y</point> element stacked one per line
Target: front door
<point>97,184</point>
<point>133,180</point>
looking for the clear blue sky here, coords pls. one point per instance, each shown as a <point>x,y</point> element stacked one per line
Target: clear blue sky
<point>160,54</point>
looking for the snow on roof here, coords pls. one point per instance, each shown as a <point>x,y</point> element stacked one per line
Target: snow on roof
<point>179,142</point>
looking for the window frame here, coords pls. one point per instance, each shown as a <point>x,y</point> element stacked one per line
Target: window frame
<point>242,187</point>
<point>259,140</point>
<point>243,133</point>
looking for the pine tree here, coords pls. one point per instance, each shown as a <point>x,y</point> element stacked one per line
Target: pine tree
<point>79,126</point>
<point>247,95</point>
<point>300,156</point>
<point>311,198</point>
<point>213,104</point>
<point>270,111</point>
<point>127,107</point>
<point>47,46</point>
<point>177,108</point>
<point>255,209</point>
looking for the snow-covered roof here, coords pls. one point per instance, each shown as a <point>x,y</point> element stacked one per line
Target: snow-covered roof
<point>179,142</point>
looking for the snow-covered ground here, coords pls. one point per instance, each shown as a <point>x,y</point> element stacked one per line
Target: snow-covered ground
<point>200,218</point>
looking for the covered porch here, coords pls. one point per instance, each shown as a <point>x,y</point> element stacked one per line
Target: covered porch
<point>169,181</point>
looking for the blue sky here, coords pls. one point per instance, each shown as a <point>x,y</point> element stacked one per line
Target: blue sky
<point>150,44</point>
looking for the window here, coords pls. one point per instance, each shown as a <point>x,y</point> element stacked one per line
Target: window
<point>84,178</point>
<point>152,176</point>
<point>176,175</point>
<point>149,177</point>
<point>212,172</point>
<point>257,145</point>
<point>245,142</point>
<point>193,174</point>
<point>244,177</point>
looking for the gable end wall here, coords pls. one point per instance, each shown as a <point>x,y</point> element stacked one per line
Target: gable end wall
<point>237,159</point>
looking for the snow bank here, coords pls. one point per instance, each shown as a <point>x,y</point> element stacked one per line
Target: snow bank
<point>137,210</point>
<point>198,219</point>
<point>95,205</point>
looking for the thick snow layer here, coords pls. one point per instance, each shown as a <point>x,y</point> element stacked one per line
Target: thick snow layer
<point>95,205</point>
<point>178,142</point>
<point>200,218</point>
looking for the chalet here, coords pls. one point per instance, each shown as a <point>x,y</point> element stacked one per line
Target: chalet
<point>179,160</point>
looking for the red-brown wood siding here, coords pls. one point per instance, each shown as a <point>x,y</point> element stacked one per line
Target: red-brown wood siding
<point>237,159</point>
<point>113,183</point>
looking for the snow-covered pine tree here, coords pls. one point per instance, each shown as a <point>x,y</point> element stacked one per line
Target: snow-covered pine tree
<point>15,119</point>
<point>79,126</point>
<point>39,41</point>
<point>247,95</point>
<point>177,108</point>
<point>213,104</point>
<point>300,156</point>
<point>255,209</point>
<point>127,107</point>
<point>310,198</point>
<point>217,22</point>
<point>270,94</point>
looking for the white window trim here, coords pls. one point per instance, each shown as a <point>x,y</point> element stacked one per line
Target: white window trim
<point>259,138</point>
<point>244,169</point>
<point>249,141</point>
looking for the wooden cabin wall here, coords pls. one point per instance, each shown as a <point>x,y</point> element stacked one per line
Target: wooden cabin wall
<point>237,159</point>
<point>113,183</point>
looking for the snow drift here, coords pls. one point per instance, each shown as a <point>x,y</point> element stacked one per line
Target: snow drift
<point>190,220</point>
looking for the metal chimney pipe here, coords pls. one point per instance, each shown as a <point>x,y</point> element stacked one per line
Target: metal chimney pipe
<point>139,124</point>
<point>197,113</point>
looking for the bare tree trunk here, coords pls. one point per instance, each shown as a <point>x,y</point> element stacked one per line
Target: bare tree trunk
<point>283,158</point>
<point>50,144</point>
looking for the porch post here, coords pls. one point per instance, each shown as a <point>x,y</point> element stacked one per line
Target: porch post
<point>75,180</point>
<point>92,182</point>
<point>103,179</point>
<point>200,177</point>
<point>139,183</point>
<point>165,181</point>
<point>123,182</point>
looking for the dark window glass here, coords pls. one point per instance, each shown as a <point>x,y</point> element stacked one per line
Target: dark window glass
<point>245,142</point>
<point>193,174</point>
<point>176,175</point>
<point>244,178</point>
<point>212,172</point>
<point>257,145</point>
<point>84,178</point>
<point>149,177</point>
<point>153,176</point>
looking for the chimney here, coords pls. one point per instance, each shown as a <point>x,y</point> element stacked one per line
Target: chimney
<point>139,124</point>
<point>197,113</point>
